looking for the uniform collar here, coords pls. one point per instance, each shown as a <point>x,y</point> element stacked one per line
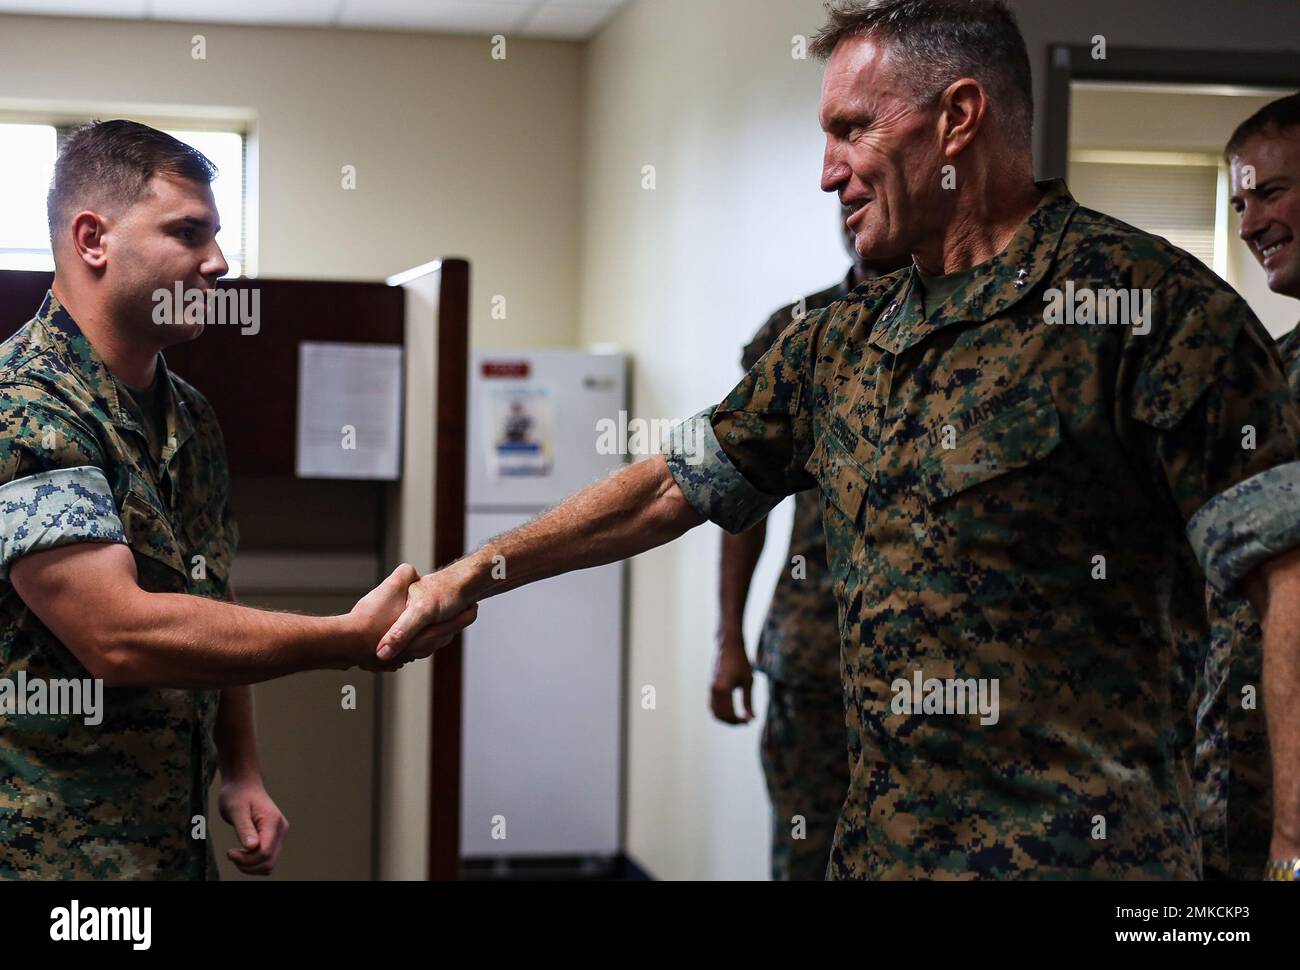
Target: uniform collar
<point>1000,283</point>
<point>55,328</point>
<point>847,285</point>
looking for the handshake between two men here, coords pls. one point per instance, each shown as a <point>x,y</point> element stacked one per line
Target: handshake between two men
<point>164,656</point>
<point>118,540</point>
<point>385,604</point>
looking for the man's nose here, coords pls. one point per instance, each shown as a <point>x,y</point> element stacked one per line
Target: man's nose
<point>215,264</point>
<point>834,171</point>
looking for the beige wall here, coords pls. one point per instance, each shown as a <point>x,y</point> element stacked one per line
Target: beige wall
<point>683,275</point>
<point>1124,117</point>
<point>318,760</point>
<point>456,154</point>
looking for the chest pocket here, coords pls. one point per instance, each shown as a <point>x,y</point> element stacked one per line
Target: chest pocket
<point>206,536</point>
<point>151,537</point>
<point>1014,440</point>
<point>843,483</point>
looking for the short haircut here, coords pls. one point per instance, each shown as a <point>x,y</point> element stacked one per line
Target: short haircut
<point>109,163</point>
<point>937,42</point>
<point>1274,118</point>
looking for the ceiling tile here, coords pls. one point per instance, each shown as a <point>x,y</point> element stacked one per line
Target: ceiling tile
<point>607,4</point>
<point>78,8</point>
<point>568,20</point>
<point>451,16</point>
<point>317,13</point>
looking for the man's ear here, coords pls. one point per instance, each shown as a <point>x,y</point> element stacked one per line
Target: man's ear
<point>88,232</point>
<point>962,106</point>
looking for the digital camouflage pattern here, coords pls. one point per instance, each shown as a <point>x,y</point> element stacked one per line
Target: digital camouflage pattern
<point>803,744</point>
<point>806,768</point>
<point>1288,348</point>
<point>1026,502</point>
<point>1234,775</point>
<point>113,800</point>
<point>800,642</point>
<point>1234,787</point>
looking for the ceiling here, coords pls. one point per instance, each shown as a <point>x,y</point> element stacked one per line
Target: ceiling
<point>556,19</point>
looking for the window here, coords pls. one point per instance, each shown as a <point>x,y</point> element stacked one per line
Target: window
<point>1174,195</point>
<point>26,166</point>
<point>27,155</point>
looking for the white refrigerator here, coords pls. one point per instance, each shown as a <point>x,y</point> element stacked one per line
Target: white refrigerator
<point>542,765</point>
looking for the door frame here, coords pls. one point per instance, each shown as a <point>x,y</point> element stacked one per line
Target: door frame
<point>1074,62</point>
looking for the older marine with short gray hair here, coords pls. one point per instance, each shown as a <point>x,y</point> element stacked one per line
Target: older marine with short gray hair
<point>1007,500</point>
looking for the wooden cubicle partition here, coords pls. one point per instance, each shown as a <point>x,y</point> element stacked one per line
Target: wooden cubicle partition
<point>448,546</point>
<point>252,384</point>
<point>20,297</point>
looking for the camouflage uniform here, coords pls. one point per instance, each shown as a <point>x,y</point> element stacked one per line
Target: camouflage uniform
<point>1233,773</point>
<point>982,560</point>
<point>114,800</point>
<point>1288,348</point>
<point>803,745</point>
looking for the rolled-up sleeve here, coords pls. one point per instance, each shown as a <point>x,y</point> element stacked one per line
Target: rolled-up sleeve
<point>55,508</point>
<point>1247,525</point>
<point>735,462</point>
<point>714,486</point>
<point>52,487</point>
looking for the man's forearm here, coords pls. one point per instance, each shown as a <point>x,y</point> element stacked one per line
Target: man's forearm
<point>176,640</point>
<point>735,573</point>
<point>1282,711</point>
<point>236,735</point>
<point>636,509</point>
<point>1280,613</point>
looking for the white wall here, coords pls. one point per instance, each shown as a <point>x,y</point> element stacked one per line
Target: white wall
<point>682,276</point>
<point>456,154</point>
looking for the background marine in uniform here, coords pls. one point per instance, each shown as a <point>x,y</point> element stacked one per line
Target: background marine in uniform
<point>803,748</point>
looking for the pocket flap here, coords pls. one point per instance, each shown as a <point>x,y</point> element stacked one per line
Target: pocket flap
<point>1014,439</point>
<point>843,481</point>
<point>148,532</point>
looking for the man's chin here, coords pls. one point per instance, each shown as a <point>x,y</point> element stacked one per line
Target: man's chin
<point>182,333</point>
<point>872,247</point>
<point>1285,282</point>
